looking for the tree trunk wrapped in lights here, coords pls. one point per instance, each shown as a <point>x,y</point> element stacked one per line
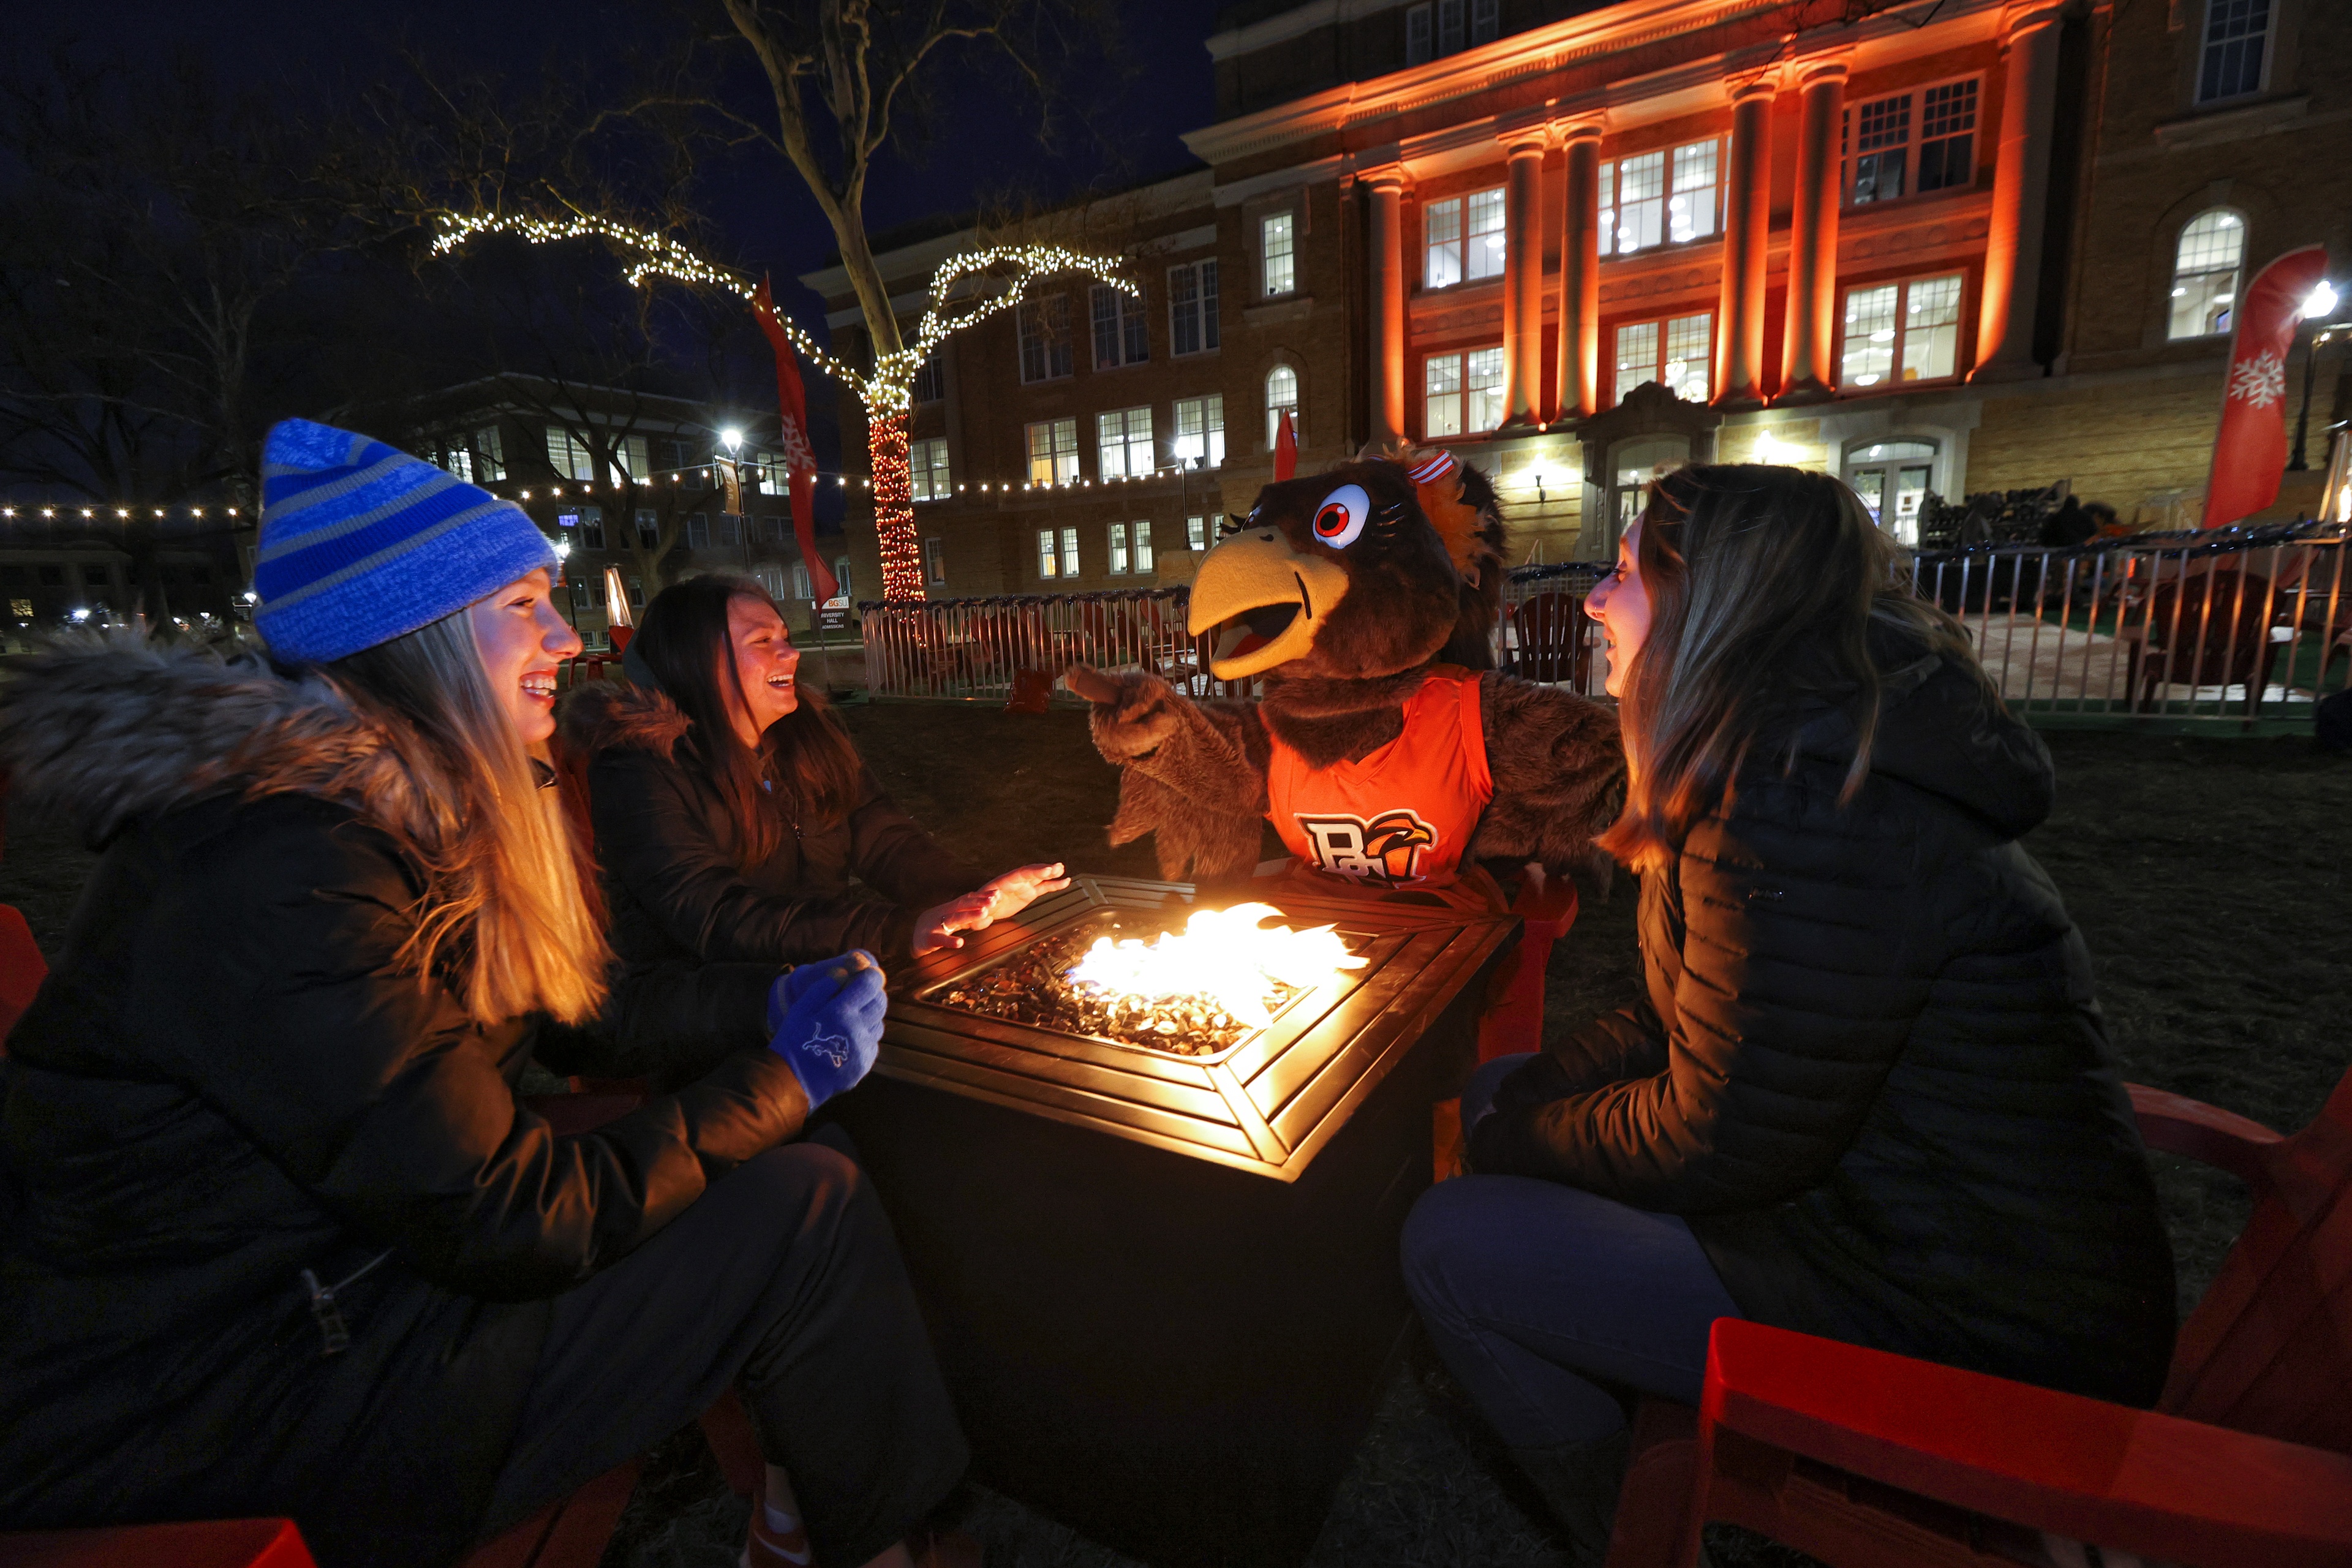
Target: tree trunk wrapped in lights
<point>965,290</point>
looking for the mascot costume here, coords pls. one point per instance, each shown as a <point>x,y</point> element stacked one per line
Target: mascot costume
<point>1386,751</point>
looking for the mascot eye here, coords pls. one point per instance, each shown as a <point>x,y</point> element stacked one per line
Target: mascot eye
<point>1341,516</point>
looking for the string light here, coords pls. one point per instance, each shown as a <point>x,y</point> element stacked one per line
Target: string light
<point>958,298</point>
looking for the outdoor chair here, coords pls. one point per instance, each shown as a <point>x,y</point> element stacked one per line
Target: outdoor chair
<point>2207,628</point>
<point>1552,629</point>
<point>22,969</point>
<point>1858,1457</point>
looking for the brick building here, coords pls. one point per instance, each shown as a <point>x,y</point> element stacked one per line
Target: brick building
<point>622,478</point>
<point>1948,247</point>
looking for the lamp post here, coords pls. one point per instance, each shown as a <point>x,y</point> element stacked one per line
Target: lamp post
<point>2317,307</point>
<point>732,439</point>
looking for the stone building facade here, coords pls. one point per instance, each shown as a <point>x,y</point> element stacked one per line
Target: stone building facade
<point>1946,247</point>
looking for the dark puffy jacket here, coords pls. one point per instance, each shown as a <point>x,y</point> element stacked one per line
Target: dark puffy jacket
<point>666,840</point>
<point>1868,1067</point>
<point>228,1080</point>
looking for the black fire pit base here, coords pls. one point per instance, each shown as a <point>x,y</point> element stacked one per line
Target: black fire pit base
<point>1175,1356</point>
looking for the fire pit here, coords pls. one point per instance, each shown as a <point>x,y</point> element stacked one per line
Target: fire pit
<point>1159,1264</point>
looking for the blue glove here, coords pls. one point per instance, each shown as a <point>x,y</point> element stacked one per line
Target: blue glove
<point>825,1020</point>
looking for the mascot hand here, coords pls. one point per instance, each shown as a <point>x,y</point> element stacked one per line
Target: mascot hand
<point>1132,712</point>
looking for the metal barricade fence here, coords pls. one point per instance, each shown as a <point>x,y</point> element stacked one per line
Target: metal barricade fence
<point>973,648</point>
<point>2229,625</point>
<point>2234,624</point>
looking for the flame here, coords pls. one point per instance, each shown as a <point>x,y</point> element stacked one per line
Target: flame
<point>1227,955</point>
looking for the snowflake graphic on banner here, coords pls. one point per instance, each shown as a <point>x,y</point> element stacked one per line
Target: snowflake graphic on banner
<point>797,455</point>
<point>2261,381</point>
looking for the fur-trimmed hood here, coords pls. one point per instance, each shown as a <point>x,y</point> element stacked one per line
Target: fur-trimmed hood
<point>103,727</point>
<point>603,716</point>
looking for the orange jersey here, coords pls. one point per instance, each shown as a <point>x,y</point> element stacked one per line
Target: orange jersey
<point>1402,816</point>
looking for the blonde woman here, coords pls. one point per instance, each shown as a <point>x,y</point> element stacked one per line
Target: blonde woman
<point>280,1239</point>
<point>1866,1092</point>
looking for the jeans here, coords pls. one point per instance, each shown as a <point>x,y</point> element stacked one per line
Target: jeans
<point>782,1279</point>
<point>1544,1298</point>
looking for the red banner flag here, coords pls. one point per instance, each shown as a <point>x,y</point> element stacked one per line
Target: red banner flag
<point>1286,449</point>
<point>800,456</point>
<point>2250,448</point>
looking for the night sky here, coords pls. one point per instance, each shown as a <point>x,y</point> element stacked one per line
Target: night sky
<point>1152,85</point>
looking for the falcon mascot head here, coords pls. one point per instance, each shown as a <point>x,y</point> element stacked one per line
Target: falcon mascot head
<point>1373,568</point>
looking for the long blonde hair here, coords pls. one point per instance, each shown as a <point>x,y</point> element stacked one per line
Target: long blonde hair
<point>1764,583</point>
<point>510,917</point>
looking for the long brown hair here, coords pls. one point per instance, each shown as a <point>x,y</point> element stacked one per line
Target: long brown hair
<point>509,916</point>
<point>1764,584</point>
<point>806,755</point>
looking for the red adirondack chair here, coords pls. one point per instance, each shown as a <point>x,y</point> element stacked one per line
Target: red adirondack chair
<point>1862,1457</point>
<point>1551,630</point>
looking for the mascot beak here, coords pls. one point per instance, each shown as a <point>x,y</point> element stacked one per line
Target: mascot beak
<point>1266,601</point>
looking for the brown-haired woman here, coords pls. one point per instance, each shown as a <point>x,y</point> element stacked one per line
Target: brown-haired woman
<point>1866,1092</point>
<point>279,1238</point>
<point>732,811</point>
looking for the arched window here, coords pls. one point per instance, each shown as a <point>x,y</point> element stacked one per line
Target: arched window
<point>1281,393</point>
<point>2205,273</point>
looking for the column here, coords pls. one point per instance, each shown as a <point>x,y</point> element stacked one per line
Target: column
<point>1807,375</point>
<point>1386,188</point>
<point>1747,232</point>
<point>1580,276</point>
<point>1523,280</point>
<point>2020,196</point>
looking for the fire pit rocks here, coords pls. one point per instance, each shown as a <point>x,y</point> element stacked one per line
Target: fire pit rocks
<point>1159,1263</point>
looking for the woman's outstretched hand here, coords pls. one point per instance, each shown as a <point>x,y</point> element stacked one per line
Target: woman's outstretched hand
<point>1000,899</point>
<point>825,1020</point>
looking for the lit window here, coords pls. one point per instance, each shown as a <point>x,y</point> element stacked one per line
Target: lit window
<point>1482,384</point>
<point>934,561</point>
<point>1044,338</point>
<point>1048,561</point>
<point>492,456</point>
<point>927,462</point>
<point>1201,429</point>
<point>1118,550</point>
<point>1196,533</point>
<point>2236,32</point>
<point>1282,397</point>
<point>1277,255</point>
<point>1069,553</point>
<point>1901,332</point>
<point>1192,308</point>
<point>2205,273</point>
<point>569,454</point>
<point>840,577</point>
<point>1882,141</point>
<point>1054,452</point>
<point>1677,353</point>
<point>1123,443</point>
<point>1653,198</point>
<point>800,586</point>
<point>1143,548</point>
<point>1119,335</point>
<point>1441,382</point>
<point>459,460</point>
<point>1454,256</point>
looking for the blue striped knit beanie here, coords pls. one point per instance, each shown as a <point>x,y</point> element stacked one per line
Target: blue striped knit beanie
<point>360,543</point>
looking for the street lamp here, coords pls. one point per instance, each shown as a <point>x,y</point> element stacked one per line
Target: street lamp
<point>2317,306</point>
<point>732,438</point>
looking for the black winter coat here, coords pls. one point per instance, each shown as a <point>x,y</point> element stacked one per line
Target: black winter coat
<point>1868,1067</point>
<point>227,1081</point>
<point>666,840</point>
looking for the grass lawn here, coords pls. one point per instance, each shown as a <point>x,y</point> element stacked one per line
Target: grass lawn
<point>2207,875</point>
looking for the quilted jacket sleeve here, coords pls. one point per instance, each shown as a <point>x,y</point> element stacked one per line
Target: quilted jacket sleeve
<point>653,836</point>
<point>373,1089</point>
<point>1810,944</point>
<point>892,854</point>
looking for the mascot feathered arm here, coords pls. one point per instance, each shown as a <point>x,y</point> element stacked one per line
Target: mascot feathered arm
<point>1191,775</point>
<point>1558,770</point>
